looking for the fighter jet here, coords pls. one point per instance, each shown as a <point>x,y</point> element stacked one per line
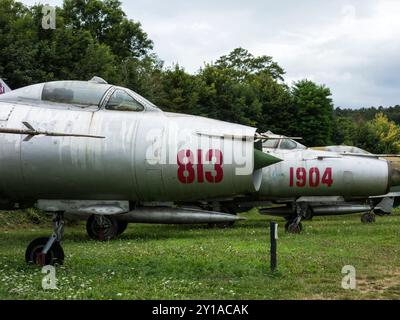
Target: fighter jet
<point>323,181</point>
<point>309,182</point>
<point>91,148</point>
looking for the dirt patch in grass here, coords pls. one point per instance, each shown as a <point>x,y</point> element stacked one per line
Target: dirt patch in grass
<point>385,281</point>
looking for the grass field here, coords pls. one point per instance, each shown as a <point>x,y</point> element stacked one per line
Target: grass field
<point>193,262</point>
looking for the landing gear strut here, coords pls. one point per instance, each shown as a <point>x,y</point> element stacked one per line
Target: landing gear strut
<point>48,251</point>
<point>302,212</point>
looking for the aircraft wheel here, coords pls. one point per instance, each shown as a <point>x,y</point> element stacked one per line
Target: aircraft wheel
<point>108,230</point>
<point>309,214</point>
<point>55,256</point>
<point>368,218</point>
<point>122,225</point>
<point>291,227</point>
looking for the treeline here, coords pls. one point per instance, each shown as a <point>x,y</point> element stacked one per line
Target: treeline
<point>366,114</point>
<point>95,37</point>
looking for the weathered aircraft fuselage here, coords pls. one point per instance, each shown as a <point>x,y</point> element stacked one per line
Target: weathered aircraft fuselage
<point>145,155</point>
<point>322,173</point>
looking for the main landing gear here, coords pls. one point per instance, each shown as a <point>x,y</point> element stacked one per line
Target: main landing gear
<point>293,226</point>
<point>303,211</point>
<point>104,228</point>
<point>48,251</point>
<point>368,217</point>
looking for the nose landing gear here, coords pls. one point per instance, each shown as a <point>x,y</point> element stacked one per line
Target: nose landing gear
<point>48,251</point>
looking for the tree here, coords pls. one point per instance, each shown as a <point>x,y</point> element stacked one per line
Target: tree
<point>65,53</point>
<point>387,132</point>
<point>379,135</point>
<point>314,112</point>
<point>143,76</point>
<point>92,37</point>
<point>221,96</point>
<point>107,23</point>
<point>344,131</point>
<point>243,64</point>
<point>245,89</point>
<point>179,92</point>
<point>277,109</point>
<point>18,44</point>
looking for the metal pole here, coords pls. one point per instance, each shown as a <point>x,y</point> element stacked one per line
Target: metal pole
<point>273,226</point>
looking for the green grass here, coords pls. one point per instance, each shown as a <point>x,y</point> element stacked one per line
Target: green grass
<point>193,262</point>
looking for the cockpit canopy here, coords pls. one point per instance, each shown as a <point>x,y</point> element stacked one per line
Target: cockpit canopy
<point>82,94</point>
<point>283,144</point>
<point>76,93</point>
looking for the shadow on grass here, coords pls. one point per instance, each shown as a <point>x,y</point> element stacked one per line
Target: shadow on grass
<point>139,232</point>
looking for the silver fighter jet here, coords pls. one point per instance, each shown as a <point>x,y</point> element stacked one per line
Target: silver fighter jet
<point>91,148</point>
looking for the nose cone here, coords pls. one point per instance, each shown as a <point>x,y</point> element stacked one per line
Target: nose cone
<point>394,171</point>
<point>262,159</point>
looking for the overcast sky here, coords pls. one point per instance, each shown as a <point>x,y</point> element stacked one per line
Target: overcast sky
<point>351,46</point>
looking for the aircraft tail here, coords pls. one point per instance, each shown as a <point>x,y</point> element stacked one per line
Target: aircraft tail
<point>4,88</point>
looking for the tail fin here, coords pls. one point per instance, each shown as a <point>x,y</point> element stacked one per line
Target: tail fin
<point>4,88</point>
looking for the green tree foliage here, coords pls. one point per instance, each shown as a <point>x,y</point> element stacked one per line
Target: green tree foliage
<point>365,114</point>
<point>92,37</point>
<point>18,44</point>
<point>277,108</point>
<point>244,89</point>
<point>379,135</point>
<point>243,64</point>
<point>344,131</point>
<point>107,23</point>
<point>95,37</point>
<point>314,110</point>
<point>388,133</point>
<point>221,96</point>
<point>178,91</point>
<point>143,76</point>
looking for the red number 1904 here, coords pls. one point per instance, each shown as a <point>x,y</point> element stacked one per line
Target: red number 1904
<point>300,177</point>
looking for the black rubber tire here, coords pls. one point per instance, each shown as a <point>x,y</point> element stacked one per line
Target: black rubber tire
<point>122,225</point>
<point>368,218</point>
<point>110,228</point>
<point>290,228</point>
<point>55,256</point>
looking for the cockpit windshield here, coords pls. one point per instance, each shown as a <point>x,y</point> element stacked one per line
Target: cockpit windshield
<point>271,144</point>
<point>79,93</point>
